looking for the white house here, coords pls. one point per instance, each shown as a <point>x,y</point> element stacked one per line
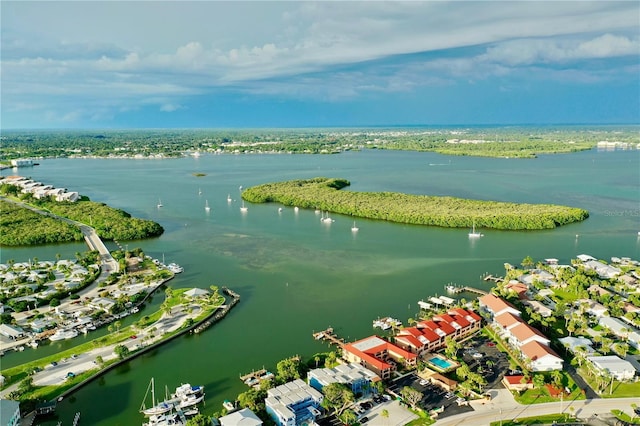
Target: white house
<point>618,368</point>
<point>541,357</point>
<point>244,417</point>
<point>495,306</point>
<point>293,403</point>
<point>571,343</point>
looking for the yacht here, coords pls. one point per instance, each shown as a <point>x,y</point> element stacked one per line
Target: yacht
<point>473,233</point>
<point>186,389</point>
<point>175,268</point>
<point>63,333</point>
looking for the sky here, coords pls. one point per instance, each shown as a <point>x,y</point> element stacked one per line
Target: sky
<point>256,64</point>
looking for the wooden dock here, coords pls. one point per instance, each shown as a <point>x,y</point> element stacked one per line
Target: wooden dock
<point>329,335</point>
<point>494,279</point>
<point>254,378</point>
<point>475,290</point>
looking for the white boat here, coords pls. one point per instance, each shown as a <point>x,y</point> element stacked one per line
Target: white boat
<point>155,410</point>
<point>243,209</point>
<point>228,198</point>
<point>63,333</point>
<point>473,233</point>
<point>159,203</point>
<point>190,400</point>
<point>354,228</point>
<point>169,419</point>
<point>186,389</point>
<point>280,210</point>
<point>326,219</point>
<point>229,405</point>
<point>175,268</point>
<point>295,209</point>
<point>199,191</point>
<point>206,206</point>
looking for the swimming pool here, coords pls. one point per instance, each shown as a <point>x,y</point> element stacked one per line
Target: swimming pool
<point>441,363</point>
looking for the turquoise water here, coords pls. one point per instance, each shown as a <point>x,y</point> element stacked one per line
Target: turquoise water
<point>440,363</point>
<point>296,275</point>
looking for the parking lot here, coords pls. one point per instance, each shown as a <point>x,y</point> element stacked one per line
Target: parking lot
<point>433,397</point>
<point>370,410</point>
<point>483,357</point>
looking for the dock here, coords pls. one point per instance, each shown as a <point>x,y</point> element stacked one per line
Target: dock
<point>254,378</point>
<point>494,279</point>
<point>329,335</point>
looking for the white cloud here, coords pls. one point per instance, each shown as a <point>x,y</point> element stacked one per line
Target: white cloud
<point>114,55</point>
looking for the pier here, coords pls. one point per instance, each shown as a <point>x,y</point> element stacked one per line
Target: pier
<point>329,335</point>
<point>492,278</point>
<point>461,289</point>
<point>254,378</point>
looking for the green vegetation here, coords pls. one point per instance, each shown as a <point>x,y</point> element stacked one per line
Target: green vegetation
<point>516,142</point>
<point>626,417</point>
<point>537,420</point>
<point>324,194</point>
<point>21,227</point>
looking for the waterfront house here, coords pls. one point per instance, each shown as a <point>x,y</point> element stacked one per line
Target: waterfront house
<point>604,271</point>
<point>378,355</point>
<point>494,306</point>
<point>103,303</point>
<point>11,331</point>
<point>541,357</point>
<point>294,403</point>
<point>618,368</point>
<point>244,417</point>
<point>353,375</point>
<point>506,321</point>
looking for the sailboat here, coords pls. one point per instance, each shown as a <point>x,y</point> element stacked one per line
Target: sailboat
<point>354,228</point>
<point>228,198</point>
<point>243,209</point>
<point>159,203</point>
<point>473,233</point>
<point>206,206</point>
<point>155,409</point>
<point>199,191</point>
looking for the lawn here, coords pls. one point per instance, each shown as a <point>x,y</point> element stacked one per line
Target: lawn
<point>619,390</point>
<point>545,420</point>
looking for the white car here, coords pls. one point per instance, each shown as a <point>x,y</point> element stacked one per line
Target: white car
<point>423,382</point>
<point>477,355</point>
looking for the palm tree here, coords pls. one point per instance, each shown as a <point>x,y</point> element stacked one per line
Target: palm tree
<point>385,415</point>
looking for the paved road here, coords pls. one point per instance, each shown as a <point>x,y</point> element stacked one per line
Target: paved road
<point>490,412</point>
<point>92,239</point>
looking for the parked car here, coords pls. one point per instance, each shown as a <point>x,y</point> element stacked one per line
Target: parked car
<point>364,419</point>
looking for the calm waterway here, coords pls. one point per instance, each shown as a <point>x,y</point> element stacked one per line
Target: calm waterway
<point>297,275</point>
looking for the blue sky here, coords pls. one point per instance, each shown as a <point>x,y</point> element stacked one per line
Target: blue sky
<point>123,64</point>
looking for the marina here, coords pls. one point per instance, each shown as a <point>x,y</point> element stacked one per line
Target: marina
<point>336,279</point>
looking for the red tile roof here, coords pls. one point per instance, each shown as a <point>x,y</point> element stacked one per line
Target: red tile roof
<point>507,319</point>
<point>515,380</point>
<point>410,340</point>
<point>410,331</point>
<point>524,331</point>
<point>535,350</point>
<point>495,303</point>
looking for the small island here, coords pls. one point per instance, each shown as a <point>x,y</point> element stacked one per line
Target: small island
<point>325,194</point>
